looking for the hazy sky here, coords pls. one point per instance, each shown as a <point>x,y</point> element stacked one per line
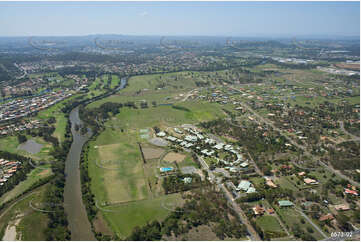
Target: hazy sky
<point>180,18</point>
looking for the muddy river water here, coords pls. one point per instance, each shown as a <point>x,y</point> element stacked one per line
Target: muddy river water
<point>79,224</point>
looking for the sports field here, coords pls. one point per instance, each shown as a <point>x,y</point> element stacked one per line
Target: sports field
<point>123,218</point>
<point>119,176</point>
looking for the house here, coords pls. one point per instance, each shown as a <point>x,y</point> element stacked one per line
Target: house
<point>258,210</point>
<point>218,146</point>
<point>244,164</point>
<point>326,217</point>
<point>251,190</point>
<point>243,185</point>
<point>209,141</point>
<point>178,131</point>
<point>191,138</point>
<point>349,191</point>
<point>310,181</point>
<point>285,203</point>
<point>233,169</point>
<point>171,138</point>
<point>270,211</point>
<point>208,153</point>
<point>302,173</point>
<point>161,134</point>
<point>342,207</point>
<point>270,183</point>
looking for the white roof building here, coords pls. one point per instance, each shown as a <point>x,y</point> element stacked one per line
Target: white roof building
<point>161,134</point>
<point>244,185</point>
<point>171,138</point>
<point>244,164</point>
<point>209,141</point>
<point>191,138</point>
<point>218,146</point>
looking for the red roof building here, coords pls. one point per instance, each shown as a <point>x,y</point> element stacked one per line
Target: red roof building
<point>349,191</point>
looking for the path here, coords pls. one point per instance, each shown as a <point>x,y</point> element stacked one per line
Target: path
<point>14,203</point>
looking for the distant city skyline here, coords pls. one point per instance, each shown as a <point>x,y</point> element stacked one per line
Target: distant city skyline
<point>243,19</point>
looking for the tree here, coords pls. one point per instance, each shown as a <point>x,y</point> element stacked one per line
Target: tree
<point>22,138</point>
<point>343,221</point>
<point>309,229</point>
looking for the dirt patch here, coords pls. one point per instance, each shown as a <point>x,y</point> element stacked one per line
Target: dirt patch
<point>44,173</point>
<point>10,232</point>
<point>152,153</point>
<point>100,225</point>
<point>172,156</point>
<point>355,67</point>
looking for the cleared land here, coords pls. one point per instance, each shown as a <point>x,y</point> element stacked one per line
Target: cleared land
<point>172,156</point>
<point>152,153</point>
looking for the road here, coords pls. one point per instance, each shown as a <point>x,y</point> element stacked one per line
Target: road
<point>353,137</point>
<point>311,222</point>
<point>242,217</point>
<point>315,158</point>
<point>188,95</point>
<point>259,172</point>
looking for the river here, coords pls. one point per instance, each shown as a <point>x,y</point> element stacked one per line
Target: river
<point>79,224</point>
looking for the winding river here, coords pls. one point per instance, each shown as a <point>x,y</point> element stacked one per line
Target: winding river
<point>79,224</point>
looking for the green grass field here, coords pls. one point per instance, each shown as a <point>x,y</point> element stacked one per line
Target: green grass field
<point>115,81</point>
<point>158,87</point>
<point>269,223</point>
<point>125,217</point>
<point>292,217</point>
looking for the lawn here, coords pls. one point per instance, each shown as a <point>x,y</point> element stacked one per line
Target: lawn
<point>269,223</point>
<point>124,183</point>
<point>114,82</point>
<point>285,182</point>
<point>125,217</point>
<point>292,217</point>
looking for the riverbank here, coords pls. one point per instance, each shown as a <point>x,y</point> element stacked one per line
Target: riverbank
<point>78,222</point>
